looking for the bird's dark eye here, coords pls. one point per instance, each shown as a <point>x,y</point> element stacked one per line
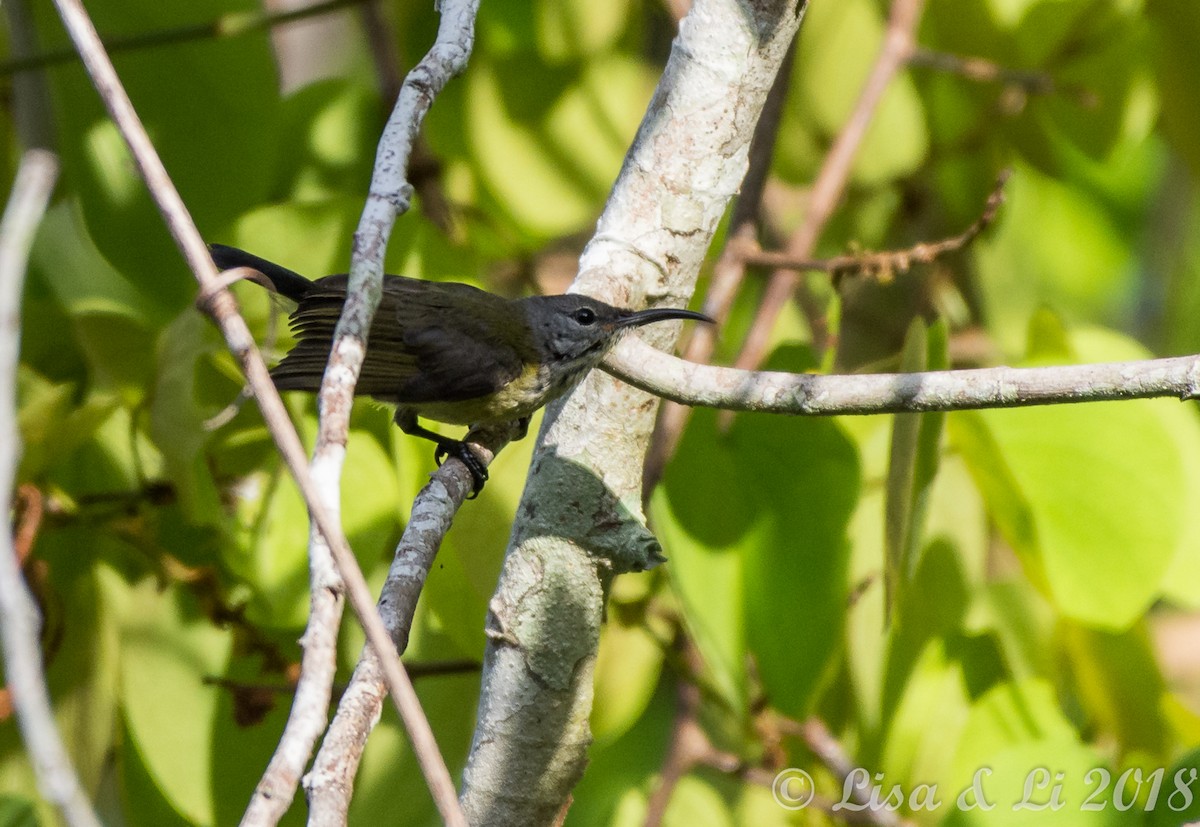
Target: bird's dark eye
<point>584,315</point>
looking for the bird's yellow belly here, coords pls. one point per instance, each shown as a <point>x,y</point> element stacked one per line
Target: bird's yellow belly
<point>519,398</point>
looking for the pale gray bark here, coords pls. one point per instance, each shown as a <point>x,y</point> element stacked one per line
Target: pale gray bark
<point>580,521</point>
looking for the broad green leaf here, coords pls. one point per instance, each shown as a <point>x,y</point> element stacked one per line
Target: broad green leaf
<point>211,107</point>
<point>839,46</point>
<point>913,460</point>
<point>707,532</point>
<point>329,132</point>
<point>775,527</point>
<point>628,666</point>
<point>1016,742</point>
<point>563,146</point>
<point>1025,782</point>
<point>1120,686</point>
<point>928,718</point>
<point>1092,497</point>
<point>274,558</point>
<point>52,426</point>
<point>806,473</point>
<point>152,808</point>
<point>694,803</point>
<point>571,29</point>
<point>1103,484</point>
<point>1019,274</point>
<point>177,422</point>
<point>17,811</point>
<point>1178,801</point>
<point>1006,501</point>
<point>169,648</point>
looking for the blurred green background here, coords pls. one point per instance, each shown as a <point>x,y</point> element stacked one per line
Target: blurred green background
<point>1046,612</point>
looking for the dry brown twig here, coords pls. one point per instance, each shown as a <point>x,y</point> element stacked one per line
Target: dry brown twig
<point>982,70</point>
<point>886,264</point>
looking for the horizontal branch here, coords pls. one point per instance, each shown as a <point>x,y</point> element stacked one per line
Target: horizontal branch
<point>651,370</point>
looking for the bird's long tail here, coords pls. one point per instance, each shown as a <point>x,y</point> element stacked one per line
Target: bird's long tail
<point>284,281</point>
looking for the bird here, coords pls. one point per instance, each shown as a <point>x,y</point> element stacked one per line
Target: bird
<point>450,352</point>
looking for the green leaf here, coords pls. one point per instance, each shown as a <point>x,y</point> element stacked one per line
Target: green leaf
<point>774,526</point>
<point>52,425</point>
<point>1017,742</point>
<point>535,146</point>
<point>706,532</point>
<point>17,812</point>
<point>913,461</point>
<point>570,29</point>
<point>1103,484</point>
<point>628,666</point>
<point>1091,497</point>
<point>835,56</point>
<point>1178,802</point>
<point>915,748</point>
<point>1120,687</point>
<point>170,647</point>
<point>211,106</point>
<point>695,803</point>
<point>177,423</point>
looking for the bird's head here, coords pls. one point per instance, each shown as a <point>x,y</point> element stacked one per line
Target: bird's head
<point>579,330</point>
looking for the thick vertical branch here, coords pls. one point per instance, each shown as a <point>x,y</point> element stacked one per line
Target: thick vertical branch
<point>580,520</point>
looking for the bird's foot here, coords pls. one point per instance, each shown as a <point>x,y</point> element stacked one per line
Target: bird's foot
<point>462,452</point>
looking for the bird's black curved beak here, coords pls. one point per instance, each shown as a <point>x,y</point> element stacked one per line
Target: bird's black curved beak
<point>660,314</point>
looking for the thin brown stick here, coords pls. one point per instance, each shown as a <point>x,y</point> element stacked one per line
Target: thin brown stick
<point>233,24</point>
<point>220,303</point>
<point>886,264</point>
<point>898,45</point>
<point>982,70</point>
<point>833,755</point>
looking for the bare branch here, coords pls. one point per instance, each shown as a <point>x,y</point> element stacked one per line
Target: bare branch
<point>898,45</point>
<point>331,780</point>
<point>218,301</point>
<point>888,263</point>
<point>388,198</point>
<point>19,617</point>
<point>951,390</point>
<point>580,520</point>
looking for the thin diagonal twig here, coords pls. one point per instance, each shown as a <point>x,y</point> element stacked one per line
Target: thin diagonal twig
<point>220,303</point>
